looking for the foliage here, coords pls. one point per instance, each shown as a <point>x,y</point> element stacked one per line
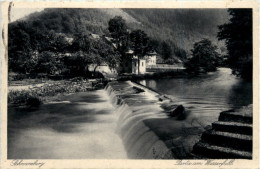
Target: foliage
<point>238,37</point>
<point>31,49</point>
<point>33,101</point>
<point>166,51</point>
<point>139,44</point>
<point>88,51</point>
<point>47,63</point>
<point>118,31</point>
<point>180,27</point>
<point>46,34</point>
<point>107,54</point>
<point>23,97</point>
<point>35,50</point>
<point>204,57</point>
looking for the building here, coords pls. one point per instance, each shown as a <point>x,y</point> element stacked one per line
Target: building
<point>142,66</point>
<point>151,58</point>
<point>132,62</point>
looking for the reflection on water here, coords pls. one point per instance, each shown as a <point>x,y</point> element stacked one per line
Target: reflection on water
<point>206,95</point>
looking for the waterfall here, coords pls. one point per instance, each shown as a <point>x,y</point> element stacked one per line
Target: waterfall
<point>140,141</point>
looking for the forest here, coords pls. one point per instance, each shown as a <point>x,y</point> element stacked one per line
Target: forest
<point>57,41</point>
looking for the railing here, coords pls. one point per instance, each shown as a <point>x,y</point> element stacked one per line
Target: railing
<point>164,68</point>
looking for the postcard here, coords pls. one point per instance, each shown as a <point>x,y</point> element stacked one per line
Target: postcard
<point>129,84</point>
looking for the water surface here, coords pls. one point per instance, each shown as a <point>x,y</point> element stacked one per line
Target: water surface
<point>206,95</point>
<point>82,126</point>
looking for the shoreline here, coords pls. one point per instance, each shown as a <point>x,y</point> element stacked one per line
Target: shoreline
<point>144,110</point>
<point>43,92</point>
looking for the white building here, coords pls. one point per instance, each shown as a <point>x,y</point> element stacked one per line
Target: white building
<point>149,59</point>
<point>142,66</point>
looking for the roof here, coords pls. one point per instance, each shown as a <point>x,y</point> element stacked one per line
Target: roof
<point>108,38</point>
<point>95,36</point>
<point>130,51</point>
<point>152,53</point>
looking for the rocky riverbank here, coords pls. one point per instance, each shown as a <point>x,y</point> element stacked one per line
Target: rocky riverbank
<point>34,95</point>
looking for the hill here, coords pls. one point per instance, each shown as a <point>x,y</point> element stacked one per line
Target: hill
<point>180,28</point>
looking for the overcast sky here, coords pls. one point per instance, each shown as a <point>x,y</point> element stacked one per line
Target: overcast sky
<point>17,13</point>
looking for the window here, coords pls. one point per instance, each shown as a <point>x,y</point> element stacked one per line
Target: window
<point>142,64</point>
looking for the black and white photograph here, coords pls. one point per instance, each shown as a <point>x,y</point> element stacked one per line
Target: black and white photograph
<point>130,83</point>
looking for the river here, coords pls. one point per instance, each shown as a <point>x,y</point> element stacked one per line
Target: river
<point>206,95</point>
<point>88,126</point>
<point>82,126</point>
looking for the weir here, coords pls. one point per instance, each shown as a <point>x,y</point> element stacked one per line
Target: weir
<point>146,130</point>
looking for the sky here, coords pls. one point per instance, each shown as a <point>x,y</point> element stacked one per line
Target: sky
<point>17,13</point>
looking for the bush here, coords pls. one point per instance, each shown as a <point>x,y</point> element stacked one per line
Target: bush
<point>24,97</point>
<point>33,101</point>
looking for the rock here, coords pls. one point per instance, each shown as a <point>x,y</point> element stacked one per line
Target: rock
<point>33,101</point>
<point>179,112</point>
<point>160,99</point>
<point>169,107</point>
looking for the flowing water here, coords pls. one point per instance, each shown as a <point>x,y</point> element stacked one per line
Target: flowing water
<point>206,95</point>
<point>99,125</point>
<point>82,126</point>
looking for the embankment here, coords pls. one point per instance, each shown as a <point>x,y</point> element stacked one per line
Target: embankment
<point>145,127</point>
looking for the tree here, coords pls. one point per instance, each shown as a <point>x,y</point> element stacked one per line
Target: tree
<point>238,38</point>
<point>47,63</point>
<point>107,53</point>
<point>103,53</point>
<point>77,63</point>
<point>92,51</point>
<point>118,30</point>
<point>19,46</point>
<point>204,57</point>
<point>81,41</point>
<point>27,44</point>
<point>166,50</point>
<point>139,44</point>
